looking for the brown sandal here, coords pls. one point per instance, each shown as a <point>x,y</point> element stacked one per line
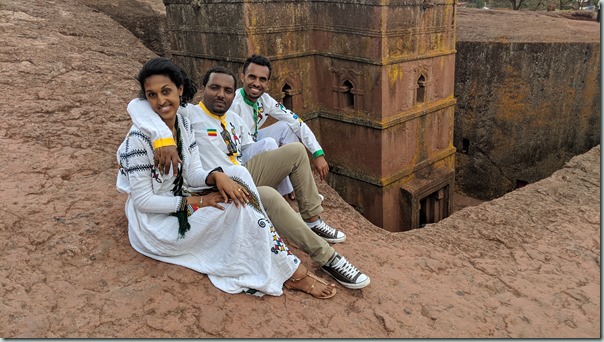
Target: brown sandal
<point>315,279</point>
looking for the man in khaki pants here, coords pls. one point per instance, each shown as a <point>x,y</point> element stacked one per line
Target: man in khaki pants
<point>224,139</point>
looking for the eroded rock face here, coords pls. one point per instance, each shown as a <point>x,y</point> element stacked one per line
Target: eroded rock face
<point>528,99</point>
<point>524,265</point>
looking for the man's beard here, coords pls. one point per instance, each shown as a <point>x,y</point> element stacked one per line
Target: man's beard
<point>219,113</point>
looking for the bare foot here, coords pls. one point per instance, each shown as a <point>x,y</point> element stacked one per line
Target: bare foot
<point>303,280</point>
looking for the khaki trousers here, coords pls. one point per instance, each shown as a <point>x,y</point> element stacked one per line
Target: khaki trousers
<point>291,226</point>
<point>270,167</point>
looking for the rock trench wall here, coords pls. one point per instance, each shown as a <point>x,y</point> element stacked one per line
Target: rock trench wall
<point>524,109</point>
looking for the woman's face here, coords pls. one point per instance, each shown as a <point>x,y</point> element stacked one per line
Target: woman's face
<point>163,95</point>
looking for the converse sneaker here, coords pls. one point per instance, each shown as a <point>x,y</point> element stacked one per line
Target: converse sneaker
<point>345,273</point>
<point>329,234</point>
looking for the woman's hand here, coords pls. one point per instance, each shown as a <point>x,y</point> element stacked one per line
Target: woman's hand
<point>210,200</point>
<point>229,189</point>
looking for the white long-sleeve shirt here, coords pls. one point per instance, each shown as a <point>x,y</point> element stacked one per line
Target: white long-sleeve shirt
<point>254,115</point>
<point>207,128</point>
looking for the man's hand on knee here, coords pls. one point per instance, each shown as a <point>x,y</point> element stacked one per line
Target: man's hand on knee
<point>165,157</point>
<point>321,166</point>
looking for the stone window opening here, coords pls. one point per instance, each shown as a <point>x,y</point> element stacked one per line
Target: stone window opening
<point>347,95</point>
<point>420,93</point>
<point>288,100</point>
<point>433,207</point>
<point>465,145</point>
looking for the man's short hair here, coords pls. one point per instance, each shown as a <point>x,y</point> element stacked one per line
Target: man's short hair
<point>260,60</point>
<point>219,70</point>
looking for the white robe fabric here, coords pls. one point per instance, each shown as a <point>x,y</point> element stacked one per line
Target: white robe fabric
<point>145,118</point>
<point>237,248</point>
<point>268,106</point>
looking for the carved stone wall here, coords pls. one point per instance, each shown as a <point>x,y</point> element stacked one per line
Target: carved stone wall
<point>373,79</point>
<point>524,110</point>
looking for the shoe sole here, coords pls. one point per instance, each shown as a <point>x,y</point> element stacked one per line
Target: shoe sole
<point>330,240</point>
<point>349,285</point>
<point>333,240</point>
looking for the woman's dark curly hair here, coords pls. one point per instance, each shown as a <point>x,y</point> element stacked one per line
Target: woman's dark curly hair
<point>163,66</point>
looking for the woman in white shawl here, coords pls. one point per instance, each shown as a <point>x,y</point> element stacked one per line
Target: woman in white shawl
<point>209,221</point>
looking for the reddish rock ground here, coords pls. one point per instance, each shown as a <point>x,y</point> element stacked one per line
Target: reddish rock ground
<point>524,265</point>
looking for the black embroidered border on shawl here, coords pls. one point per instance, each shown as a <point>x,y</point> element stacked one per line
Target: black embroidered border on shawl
<point>125,156</point>
<point>142,136</point>
<point>133,153</point>
<point>182,214</point>
<point>255,200</point>
<point>137,168</point>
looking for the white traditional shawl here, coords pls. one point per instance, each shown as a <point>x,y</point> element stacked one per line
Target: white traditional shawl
<point>237,248</point>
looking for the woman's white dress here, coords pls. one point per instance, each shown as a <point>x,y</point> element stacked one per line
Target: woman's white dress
<point>237,248</point>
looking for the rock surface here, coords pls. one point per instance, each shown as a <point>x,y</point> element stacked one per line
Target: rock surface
<point>500,25</point>
<point>524,265</point>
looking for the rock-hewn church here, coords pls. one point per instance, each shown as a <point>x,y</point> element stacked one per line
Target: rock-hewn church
<point>373,78</point>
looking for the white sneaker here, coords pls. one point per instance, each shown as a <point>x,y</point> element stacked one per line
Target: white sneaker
<point>328,233</point>
<point>321,197</point>
<point>345,273</point>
